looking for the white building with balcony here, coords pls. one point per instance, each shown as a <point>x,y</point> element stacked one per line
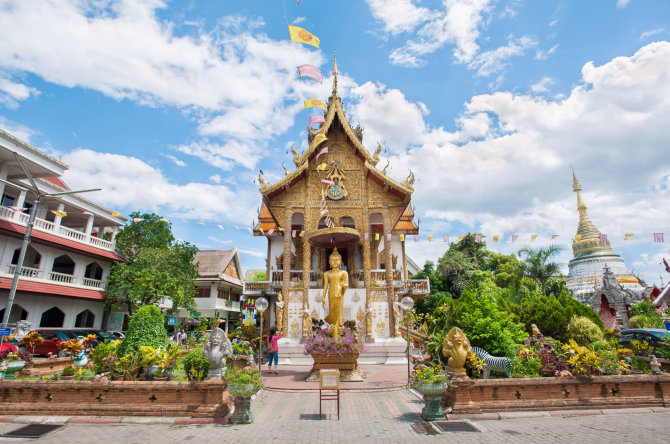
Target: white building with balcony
<point>219,287</point>
<point>68,259</point>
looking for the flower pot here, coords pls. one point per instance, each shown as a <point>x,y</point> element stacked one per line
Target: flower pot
<point>160,378</point>
<point>67,378</point>
<point>242,390</point>
<point>348,361</point>
<point>432,395</point>
<point>242,413</point>
<point>117,376</point>
<point>13,367</point>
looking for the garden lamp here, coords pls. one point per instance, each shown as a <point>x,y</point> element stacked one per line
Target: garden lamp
<point>407,303</point>
<point>261,305</point>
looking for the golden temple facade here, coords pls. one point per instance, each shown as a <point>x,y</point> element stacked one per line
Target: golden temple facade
<point>336,197</point>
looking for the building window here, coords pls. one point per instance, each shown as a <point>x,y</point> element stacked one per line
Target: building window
<point>85,319</point>
<point>32,258</point>
<point>203,292</point>
<point>93,271</point>
<point>224,293</point>
<point>53,317</point>
<point>63,264</point>
<point>18,314</point>
<point>8,201</point>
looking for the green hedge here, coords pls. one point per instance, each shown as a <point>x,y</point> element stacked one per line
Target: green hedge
<point>147,327</point>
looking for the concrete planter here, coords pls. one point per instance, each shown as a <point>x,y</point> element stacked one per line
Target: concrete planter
<point>432,394</point>
<point>14,367</point>
<point>347,364</point>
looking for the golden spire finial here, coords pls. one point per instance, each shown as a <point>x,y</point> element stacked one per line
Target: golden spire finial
<point>335,74</point>
<point>576,186</point>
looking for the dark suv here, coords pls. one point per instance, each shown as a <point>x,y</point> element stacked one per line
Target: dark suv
<point>51,340</point>
<point>651,335</point>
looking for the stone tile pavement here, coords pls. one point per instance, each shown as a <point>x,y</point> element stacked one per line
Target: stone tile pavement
<point>366,417</point>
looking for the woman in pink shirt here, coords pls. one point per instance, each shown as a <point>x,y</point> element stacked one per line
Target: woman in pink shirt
<point>273,349</point>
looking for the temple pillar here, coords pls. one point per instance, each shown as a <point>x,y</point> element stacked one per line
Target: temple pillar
<point>390,294</point>
<point>404,260</point>
<point>268,262</point>
<point>286,264</point>
<point>366,278</point>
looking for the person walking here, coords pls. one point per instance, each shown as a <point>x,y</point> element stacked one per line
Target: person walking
<point>273,349</point>
<point>177,336</point>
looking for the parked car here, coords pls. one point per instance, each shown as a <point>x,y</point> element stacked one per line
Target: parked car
<point>51,340</point>
<point>651,335</point>
<point>117,334</point>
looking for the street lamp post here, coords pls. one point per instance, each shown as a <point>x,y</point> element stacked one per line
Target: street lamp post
<point>261,305</point>
<point>407,303</point>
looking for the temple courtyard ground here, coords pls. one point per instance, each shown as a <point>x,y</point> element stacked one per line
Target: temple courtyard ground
<point>380,410</point>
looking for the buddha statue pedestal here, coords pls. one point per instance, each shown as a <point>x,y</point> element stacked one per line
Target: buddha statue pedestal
<point>396,351</point>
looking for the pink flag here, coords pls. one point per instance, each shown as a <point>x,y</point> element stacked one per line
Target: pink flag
<point>328,181</point>
<point>137,219</point>
<point>478,238</point>
<point>445,238</point>
<point>250,230</point>
<point>603,239</point>
<point>316,118</point>
<point>324,211</point>
<point>514,237</point>
<point>220,227</point>
<point>323,151</point>
<point>388,236</point>
<point>310,71</point>
<point>293,233</point>
<point>416,238</point>
<point>366,236</point>
<point>270,231</point>
<point>17,208</point>
<point>88,213</point>
<point>658,237</point>
<point>554,236</point>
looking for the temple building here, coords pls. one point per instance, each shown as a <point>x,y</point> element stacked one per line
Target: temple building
<point>337,198</point>
<point>592,255</point>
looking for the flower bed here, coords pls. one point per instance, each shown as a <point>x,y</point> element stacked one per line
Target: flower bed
<point>116,398</point>
<point>495,395</point>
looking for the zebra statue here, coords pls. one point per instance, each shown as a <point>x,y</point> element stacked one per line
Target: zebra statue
<point>497,363</point>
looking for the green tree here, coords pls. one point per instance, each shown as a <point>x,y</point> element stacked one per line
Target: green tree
<point>459,261</point>
<point>259,276</point>
<point>157,266</point>
<point>428,304</point>
<point>146,328</point>
<point>537,265</point>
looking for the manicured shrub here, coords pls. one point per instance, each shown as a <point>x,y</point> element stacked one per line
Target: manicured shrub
<point>584,331</point>
<point>196,366</point>
<point>146,328</point>
<point>646,321</point>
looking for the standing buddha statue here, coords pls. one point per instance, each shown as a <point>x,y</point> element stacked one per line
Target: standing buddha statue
<point>335,283</point>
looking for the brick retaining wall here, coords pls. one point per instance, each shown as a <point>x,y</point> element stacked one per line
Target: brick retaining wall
<point>120,398</point>
<point>497,395</point>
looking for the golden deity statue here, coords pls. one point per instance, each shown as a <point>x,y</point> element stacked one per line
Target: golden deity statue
<point>335,282</point>
<point>456,347</point>
<point>279,312</point>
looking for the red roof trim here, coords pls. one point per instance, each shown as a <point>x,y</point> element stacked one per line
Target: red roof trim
<point>41,237</point>
<point>52,289</point>
<point>56,181</point>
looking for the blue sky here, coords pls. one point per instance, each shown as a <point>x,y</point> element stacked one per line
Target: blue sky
<point>174,106</point>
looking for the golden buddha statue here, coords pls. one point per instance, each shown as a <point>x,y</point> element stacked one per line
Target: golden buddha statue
<point>335,283</point>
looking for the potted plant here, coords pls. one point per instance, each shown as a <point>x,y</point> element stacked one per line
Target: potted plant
<point>29,341</point>
<point>431,382</point>
<point>243,355</point>
<point>68,373</point>
<point>243,384</point>
<point>334,351</point>
<point>167,359</point>
<point>14,362</point>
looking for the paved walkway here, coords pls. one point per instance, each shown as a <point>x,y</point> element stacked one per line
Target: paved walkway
<point>378,377</point>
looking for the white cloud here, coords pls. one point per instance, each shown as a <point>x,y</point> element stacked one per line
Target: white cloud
<point>234,77</point>
<point>132,183</point>
<point>543,85</point>
<point>457,24</point>
<point>179,163</point>
<point>253,253</point>
<point>16,129</point>
<point>540,54</point>
<point>507,169</point>
<point>215,178</point>
<point>494,61</point>
<point>622,3</point>
<point>11,93</point>
<point>653,32</point>
<point>398,15</point>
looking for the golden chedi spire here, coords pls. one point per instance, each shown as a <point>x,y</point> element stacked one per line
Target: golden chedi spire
<point>335,75</point>
<point>587,239</point>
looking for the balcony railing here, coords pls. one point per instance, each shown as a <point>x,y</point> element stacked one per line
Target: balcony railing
<point>62,231</point>
<point>25,271</point>
<point>62,278</point>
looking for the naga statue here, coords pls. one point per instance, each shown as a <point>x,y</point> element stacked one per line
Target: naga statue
<point>410,179</point>
<point>387,165</point>
<point>296,156</point>
<point>375,156</point>
<point>217,348</point>
<point>456,347</point>
<point>261,180</point>
<point>285,169</point>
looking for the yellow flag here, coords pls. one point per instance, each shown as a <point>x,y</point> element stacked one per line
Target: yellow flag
<point>322,167</point>
<point>314,103</point>
<point>59,213</point>
<point>533,237</point>
<point>302,233</point>
<point>201,223</point>
<point>262,232</point>
<point>496,238</point>
<point>162,219</point>
<point>302,36</point>
<point>460,238</point>
<point>116,214</point>
<point>430,238</point>
<point>402,238</point>
<point>319,139</point>
<point>376,236</point>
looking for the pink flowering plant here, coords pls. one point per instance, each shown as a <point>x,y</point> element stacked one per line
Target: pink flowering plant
<point>323,343</point>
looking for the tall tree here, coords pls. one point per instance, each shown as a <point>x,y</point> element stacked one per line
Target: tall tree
<point>537,265</point>
<point>158,267</point>
<point>459,261</point>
